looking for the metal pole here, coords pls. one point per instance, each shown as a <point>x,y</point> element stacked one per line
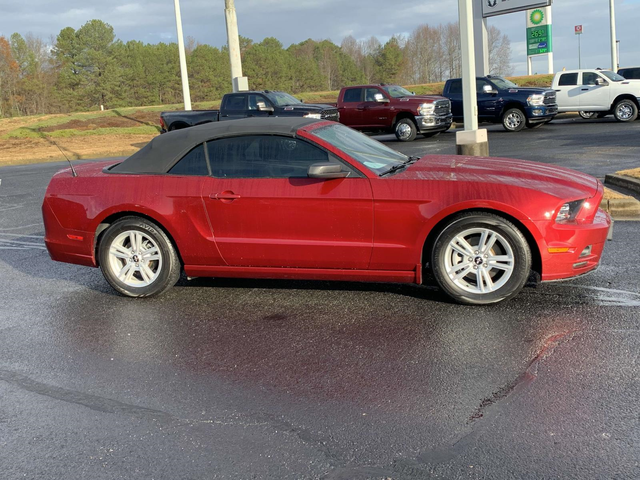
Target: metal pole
<point>618,53</point>
<point>233,42</point>
<point>469,96</point>
<point>579,53</point>
<point>183,59</point>
<point>529,66</point>
<point>612,19</point>
<point>550,54</point>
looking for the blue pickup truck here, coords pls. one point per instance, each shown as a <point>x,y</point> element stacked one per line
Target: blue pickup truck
<point>502,101</point>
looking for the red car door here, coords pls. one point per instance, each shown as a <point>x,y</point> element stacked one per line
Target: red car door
<point>375,114</point>
<point>266,212</point>
<point>351,107</point>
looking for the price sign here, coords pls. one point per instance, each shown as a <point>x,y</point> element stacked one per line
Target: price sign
<point>539,40</point>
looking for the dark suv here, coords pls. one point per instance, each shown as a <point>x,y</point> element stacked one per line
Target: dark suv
<point>630,73</point>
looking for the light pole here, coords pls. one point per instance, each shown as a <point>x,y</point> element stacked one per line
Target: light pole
<point>618,54</point>
<point>233,42</point>
<point>612,19</point>
<point>183,59</point>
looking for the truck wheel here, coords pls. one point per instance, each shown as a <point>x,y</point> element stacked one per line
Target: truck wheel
<point>513,120</point>
<point>406,130</point>
<point>625,110</point>
<point>588,115</point>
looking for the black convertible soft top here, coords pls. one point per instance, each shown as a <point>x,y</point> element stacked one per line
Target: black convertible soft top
<point>161,153</point>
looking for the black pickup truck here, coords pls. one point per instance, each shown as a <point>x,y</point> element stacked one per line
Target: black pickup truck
<point>249,104</point>
<point>502,101</point>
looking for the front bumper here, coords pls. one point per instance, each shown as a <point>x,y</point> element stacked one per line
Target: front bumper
<point>541,113</point>
<point>434,123</point>
<point>570,242</point>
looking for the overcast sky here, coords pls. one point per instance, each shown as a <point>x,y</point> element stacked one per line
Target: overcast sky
<point>292,21</point>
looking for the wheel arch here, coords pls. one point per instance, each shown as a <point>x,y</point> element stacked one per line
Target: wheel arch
<point>512,104</point>
<point>434,232</point>
<point>625,96</point>
<point>113,217</point>
<point>177,125</point>
<point>403,115</point>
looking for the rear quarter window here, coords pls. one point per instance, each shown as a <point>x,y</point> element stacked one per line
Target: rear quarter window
<point>193,163</point>
<point>352,95</point>
<point>455,86</point>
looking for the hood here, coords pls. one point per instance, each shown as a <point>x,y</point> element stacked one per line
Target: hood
<point>308,107</point>
<point>420,98</point>
<point>550,179</point>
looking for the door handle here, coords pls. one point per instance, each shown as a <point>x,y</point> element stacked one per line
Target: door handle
<point>226,195</point>
<point>585,89</point>
<point>558,90</point>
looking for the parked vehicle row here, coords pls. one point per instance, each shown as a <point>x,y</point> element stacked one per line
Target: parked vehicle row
<point>383,108</point>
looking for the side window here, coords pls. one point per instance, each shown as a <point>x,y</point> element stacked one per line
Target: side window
<point>480,84</point>
<point>193,163</point>
<point>370,94</point>
<point>235,102</point>
<point>263,156</point>
<point>455,86</point>
<point>352,95</point>
<point>568,79</point>
<point>589,78</point>
<point>255,101</point>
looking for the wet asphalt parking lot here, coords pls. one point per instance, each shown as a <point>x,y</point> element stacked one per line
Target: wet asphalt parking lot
<point>248,379</point>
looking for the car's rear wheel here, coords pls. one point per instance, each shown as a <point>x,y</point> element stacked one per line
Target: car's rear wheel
<point>481,258</point>
<point>137,258</point>
<point>406,130</point>
<point>625,110</point>
<point>513,120</point>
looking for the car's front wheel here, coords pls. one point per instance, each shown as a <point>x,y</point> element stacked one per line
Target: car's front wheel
<point>406,130</point>
<point>481,258</point>
<point>137,258</point>
<point>513,120</point>
<point>625,110</point>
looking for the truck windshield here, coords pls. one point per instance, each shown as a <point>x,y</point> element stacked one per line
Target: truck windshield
<point>502,83</point>
<point>280,99</point>
<point>396,91</point>
<point>372,154</point>
<point>614,77</point>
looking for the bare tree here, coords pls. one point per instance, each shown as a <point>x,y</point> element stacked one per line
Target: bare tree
<point>499,52</point>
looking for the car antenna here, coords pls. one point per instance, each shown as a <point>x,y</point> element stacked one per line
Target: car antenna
<point>73,170</point>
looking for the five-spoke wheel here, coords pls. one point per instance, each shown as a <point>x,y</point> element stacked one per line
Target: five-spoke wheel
<point>481,258</point>
<point>137,258</point>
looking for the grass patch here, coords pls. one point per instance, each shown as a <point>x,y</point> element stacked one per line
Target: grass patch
<point>633,172</point>
<point>31,132</point>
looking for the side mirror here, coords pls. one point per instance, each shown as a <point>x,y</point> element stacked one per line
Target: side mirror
<point>264,108</point>
<point>489,89</point>
<point>601,82</point>
<point>301,100</point>
<point>380,98</point>
<point>326,170</point>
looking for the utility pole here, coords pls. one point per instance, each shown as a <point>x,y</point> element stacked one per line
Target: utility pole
<point>186,95</point>
<point>612,19</point>
<point>233,42</point>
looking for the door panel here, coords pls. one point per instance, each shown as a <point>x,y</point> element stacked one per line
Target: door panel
<point>350,113</point>
<point>292,222</point>
<point>594,97</point>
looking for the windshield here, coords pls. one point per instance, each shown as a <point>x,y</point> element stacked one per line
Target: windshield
<point>614,77</point>
<point>369,152</point>
<point>280,99</point>
<point>396,91</point>
<point>503,83</point>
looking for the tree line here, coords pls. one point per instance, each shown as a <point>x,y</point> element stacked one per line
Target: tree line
<point>89,67</point>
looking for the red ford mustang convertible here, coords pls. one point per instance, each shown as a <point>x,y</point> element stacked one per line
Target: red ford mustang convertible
<point>299,198</point>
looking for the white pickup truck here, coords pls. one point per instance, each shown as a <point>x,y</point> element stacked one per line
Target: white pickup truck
<point>597,93</point>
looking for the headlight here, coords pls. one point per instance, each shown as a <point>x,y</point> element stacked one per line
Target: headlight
<point>536,99</point>
<point>312,115</point>
<point>569,211</point>
<point>426,108</point>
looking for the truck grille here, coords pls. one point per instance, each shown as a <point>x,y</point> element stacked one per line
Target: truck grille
<point>443,107</point>
<point>330,114</point>
<point>549,98</point>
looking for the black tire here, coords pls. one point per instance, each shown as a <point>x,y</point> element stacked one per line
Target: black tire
<point>405,130</point>
<point>625,110</point>
<point>588,115</point>
<point>166,269</point>
<point>535,125</point>
<point>504,284</point>
<point>431,134</point>
<point>513,120</point>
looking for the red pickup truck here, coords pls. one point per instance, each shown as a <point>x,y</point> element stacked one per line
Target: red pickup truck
<point>393,109</point>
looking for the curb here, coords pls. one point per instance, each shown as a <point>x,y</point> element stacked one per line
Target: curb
<point>630,183</point>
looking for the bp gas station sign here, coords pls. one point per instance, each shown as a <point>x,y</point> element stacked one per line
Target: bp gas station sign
<point>538,32</point>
